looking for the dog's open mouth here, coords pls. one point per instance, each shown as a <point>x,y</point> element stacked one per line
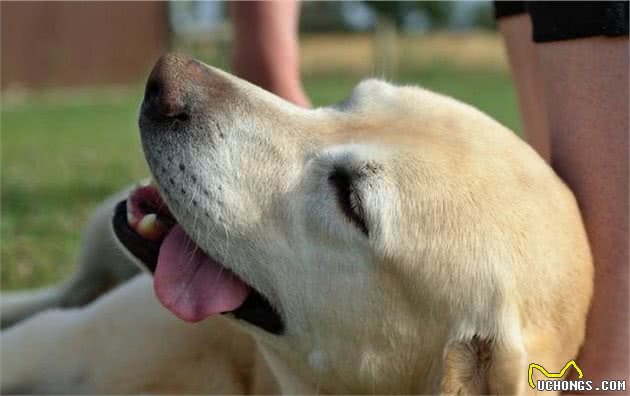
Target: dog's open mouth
<point>186,280</point>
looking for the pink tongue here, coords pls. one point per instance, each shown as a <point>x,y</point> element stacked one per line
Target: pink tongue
<point>192,285</point>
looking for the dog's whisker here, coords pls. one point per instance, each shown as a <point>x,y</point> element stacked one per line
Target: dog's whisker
<point>227,238</point>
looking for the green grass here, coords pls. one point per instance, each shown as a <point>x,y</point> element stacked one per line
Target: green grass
<point>61,157</point>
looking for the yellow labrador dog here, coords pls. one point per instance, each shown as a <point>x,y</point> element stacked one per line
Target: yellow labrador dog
<point>397,242</point>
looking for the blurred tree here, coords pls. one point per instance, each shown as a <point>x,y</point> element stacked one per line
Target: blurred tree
<point>385,52</point>
<point>437,12</point>
<point>409,16</point>
<point>322,16</point>
<point>391,17</point>
<point>484,17</point>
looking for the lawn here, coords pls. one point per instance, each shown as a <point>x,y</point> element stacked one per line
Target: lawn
<point>61,156</point>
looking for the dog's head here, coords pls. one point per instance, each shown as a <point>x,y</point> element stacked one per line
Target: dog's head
<point>399,241</point>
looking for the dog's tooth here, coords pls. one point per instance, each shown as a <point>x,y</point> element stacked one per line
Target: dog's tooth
<point>132,220</point>
<point>150,227</point>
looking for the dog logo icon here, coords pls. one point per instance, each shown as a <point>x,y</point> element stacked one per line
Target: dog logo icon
<point>547,374</point>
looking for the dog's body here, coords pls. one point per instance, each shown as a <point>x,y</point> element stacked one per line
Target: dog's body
<point>407,242</point>
<point>101,265</point>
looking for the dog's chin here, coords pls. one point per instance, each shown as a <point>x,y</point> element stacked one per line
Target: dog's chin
<point>255,309</point>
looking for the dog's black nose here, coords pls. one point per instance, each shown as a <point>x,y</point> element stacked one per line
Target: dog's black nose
<point>166,96</point>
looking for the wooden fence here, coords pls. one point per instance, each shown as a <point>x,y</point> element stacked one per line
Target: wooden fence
<point>53,44</point>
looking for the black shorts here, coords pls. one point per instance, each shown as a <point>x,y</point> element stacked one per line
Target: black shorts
<point>566,20</point>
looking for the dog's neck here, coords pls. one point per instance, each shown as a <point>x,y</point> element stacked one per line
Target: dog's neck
<point>286,377</point>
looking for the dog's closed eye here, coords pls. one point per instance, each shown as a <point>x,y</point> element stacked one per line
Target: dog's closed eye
<point>348,197</point>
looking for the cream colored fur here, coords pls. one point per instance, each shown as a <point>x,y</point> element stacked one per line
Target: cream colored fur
<point>475,264</point>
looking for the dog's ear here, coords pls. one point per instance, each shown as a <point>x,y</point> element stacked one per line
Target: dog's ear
<point>482,366</point>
